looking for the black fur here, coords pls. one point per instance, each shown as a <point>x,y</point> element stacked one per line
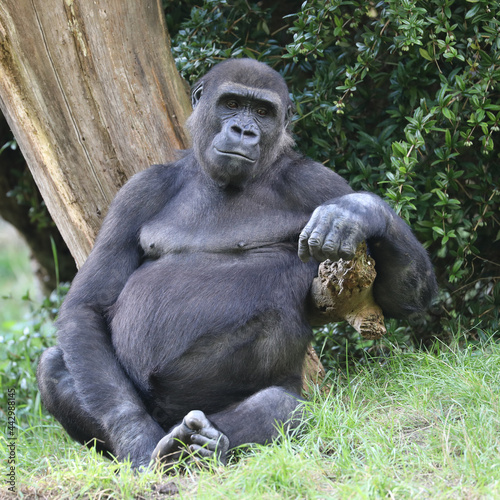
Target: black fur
<point>193,297</point>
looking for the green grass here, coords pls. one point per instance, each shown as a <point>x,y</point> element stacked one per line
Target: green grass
<point>421,425</point>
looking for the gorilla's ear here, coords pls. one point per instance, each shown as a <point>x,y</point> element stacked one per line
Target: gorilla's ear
<point>290,111</point>
<point>196,94</point>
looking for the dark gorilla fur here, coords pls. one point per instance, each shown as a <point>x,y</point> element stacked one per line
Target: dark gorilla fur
<point>186,329</point>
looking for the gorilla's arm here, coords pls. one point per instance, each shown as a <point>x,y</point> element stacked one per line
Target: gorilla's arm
<point>101,384</point>
<point>405,282</point>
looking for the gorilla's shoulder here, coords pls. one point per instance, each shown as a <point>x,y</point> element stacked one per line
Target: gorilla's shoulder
<point>150,188</point>
<point>162,172</point>
<point>311,179</point>
<point>161,177</point>
<point>296,163</point>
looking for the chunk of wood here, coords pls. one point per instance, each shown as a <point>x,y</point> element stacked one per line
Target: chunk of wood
<point>313,370</point>
<point>343,291</point>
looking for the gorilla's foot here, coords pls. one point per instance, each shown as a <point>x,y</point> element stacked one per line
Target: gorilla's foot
<point>195,438</point>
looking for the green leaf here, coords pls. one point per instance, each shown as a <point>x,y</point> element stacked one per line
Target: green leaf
<point>447,134</point>
<point>448,113</point>
<point>399,149</point>
<point>473,11</point>
<point>425,54</point>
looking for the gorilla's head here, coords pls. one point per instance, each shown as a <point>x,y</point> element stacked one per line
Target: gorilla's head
<point>239,125</point>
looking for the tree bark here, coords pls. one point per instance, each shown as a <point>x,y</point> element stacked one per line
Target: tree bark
<point>92,95</point>
<point>343,290</point>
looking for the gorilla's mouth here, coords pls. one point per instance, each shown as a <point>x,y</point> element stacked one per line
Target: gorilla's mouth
<point>235,154</point>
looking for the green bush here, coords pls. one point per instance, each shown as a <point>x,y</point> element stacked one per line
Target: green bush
<point>402,99</point>
<point>22,344</point>
<point>407,94</point>
<point>217,30</point>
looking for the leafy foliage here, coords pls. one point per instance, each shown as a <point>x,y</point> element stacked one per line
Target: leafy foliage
<point>402,99</point>
<point>414,90</point>
<point>218,30</point>
<point>23,343</point>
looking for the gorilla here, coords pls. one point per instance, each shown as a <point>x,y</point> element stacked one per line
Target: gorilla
<point>185,331</point>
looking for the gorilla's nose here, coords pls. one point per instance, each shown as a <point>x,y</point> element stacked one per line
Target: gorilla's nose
<point>246,134</point>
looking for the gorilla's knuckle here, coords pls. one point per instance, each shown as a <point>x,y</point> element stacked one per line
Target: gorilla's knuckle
<point>328,247</point>
<point>346,254</point>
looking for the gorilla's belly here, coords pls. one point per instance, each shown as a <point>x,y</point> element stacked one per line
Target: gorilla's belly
<point>206,316</point>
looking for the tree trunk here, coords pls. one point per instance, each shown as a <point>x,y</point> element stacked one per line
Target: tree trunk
<point>92,95</point>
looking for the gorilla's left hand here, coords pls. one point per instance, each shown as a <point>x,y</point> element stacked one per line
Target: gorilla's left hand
<point>336,229</point>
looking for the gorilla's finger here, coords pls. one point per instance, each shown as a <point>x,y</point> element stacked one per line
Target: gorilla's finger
<point>165,446</point>
<point>167,452</point>
<point>305,235</point>
<point>303,251</point>
<point>209,432</point>
<point>201,440</point>
<point>330,247</point>
<point>348,247</point>
<point>201,451</point>
<point>315,242</point>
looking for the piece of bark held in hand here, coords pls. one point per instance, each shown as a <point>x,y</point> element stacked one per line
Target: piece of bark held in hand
<point>343,291</point>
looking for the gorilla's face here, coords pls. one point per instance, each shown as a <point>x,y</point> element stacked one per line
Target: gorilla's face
<point>239,130</point>
<point>249,122</point>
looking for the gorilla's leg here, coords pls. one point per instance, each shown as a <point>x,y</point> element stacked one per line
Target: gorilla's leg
<point>257,418</point>
<point>254,420</point>
<point>58,394</point>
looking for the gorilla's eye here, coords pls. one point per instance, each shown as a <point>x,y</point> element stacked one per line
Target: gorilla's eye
<point>262,112</point>
<point>232,104</point>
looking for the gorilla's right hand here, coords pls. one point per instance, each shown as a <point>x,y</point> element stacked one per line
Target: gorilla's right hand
<point>194,438</point>
<point>336,228</point>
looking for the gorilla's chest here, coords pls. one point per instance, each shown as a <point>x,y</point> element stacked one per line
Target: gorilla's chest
<point>221,276</point>
<point>191,223</point>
